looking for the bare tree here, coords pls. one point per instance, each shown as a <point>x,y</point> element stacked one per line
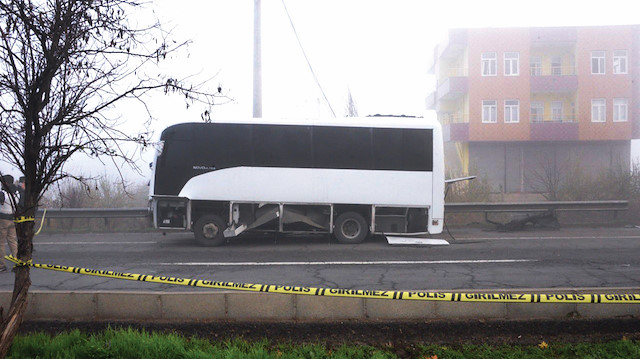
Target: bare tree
<point>351,109</point>
<point>547,178</point>
<point>64,65</point>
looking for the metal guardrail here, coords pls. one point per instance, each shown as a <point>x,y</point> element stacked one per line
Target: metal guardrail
<point>95,212</point>
<point>449,208</point>
<point>537,206</point>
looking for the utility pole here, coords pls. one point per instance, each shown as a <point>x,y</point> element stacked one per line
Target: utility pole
<point>257,61</point>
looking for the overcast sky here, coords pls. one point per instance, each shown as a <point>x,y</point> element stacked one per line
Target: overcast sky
<point>379,50</point>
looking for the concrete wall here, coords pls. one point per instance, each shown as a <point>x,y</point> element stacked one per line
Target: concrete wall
<point>517,166</point>
<point>238,306</point>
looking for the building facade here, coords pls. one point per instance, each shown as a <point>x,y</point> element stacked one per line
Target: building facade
<point>518,104</point>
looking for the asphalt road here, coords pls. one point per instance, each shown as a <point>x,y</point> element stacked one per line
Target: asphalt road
<point>568,258</point>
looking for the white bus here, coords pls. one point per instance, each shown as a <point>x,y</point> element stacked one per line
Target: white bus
<point>350,177</point>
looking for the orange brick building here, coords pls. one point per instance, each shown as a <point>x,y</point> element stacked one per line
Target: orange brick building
<point>516,101</point>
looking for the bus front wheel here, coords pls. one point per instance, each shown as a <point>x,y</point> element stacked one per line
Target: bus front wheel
<point>350,228</point>
<point>209,229</point>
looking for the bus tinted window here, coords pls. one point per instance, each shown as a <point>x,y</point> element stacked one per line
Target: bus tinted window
<point>282,146</point>
<point>223,146</point>
<point>174,153</point>
<point>417,150</point>
<point>342,147</point>
<point>387,148</point>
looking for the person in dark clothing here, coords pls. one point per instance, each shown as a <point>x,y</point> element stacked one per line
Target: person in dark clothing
<point>20,189</point>
<point>7,227</point>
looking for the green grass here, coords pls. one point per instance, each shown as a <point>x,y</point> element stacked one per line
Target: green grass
<point>131,343</point>
<point>615,349</point>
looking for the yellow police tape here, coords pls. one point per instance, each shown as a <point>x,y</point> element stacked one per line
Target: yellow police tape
<point>22,219</point>
<point>351,293</point>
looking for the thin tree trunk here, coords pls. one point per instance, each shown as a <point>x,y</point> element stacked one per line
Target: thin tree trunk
<point>18,307</point>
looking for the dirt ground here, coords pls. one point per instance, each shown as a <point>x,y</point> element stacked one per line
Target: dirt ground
<point>400,337</point>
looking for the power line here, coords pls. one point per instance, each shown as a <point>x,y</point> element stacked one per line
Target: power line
<point>307,59</point>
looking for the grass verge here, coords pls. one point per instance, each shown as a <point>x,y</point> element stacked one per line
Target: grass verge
<point>133,343</point>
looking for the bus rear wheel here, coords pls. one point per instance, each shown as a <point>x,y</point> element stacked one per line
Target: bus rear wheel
<point>350,228</point>
<point>209,229</point>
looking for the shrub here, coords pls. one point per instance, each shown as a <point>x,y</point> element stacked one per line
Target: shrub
<point>101,193</point>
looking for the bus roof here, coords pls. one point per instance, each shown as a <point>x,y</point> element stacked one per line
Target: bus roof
<point>377,121</point>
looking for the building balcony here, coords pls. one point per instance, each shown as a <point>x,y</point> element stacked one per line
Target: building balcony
<point>455,131</point>
<point>553,79</point>
<point>555,129</point>
<point>457,72</point>
<point>452,47</point>
<point>430,101</point>
<point>453,117</point>
<point>452,88</point>
<point>552,119</point>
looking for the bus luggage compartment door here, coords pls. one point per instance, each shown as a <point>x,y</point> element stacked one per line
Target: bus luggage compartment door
<point>170,213</point>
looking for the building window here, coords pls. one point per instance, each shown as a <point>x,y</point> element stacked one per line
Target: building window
<point>556,66</point>
<point>537,111</point>
<point>489,111</point>
<point>511,111</point>
<point>511,63</point>
<point>535,64</point>
<point>598,60</point>
<point>620,62</point>
<point>620,110</point>
<point>557,111</point>
<point>489,64</point>
<point>598,110</point>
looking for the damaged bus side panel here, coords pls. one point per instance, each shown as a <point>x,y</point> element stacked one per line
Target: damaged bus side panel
<point>350,177</point>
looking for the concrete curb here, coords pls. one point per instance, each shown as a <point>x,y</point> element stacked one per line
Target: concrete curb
<point>242,306</point>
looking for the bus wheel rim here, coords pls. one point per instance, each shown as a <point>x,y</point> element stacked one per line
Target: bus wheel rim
<point>210,230</point>
<point>351,228</point>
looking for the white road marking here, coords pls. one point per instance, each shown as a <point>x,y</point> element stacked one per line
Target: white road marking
<point>228,264</point>
<point>36,242</point>
<point>514,238</point>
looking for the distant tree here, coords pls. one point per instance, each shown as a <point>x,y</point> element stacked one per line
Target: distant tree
<point>548,177</point>
<point>64,66</point>
<point>351,109</point>
<point>103,192</point>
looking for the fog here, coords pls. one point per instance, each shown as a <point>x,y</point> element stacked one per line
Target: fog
<point>379,51</point>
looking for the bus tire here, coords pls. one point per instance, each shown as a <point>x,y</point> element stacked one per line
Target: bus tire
<point>350,228</point>
<point>209,229</point>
